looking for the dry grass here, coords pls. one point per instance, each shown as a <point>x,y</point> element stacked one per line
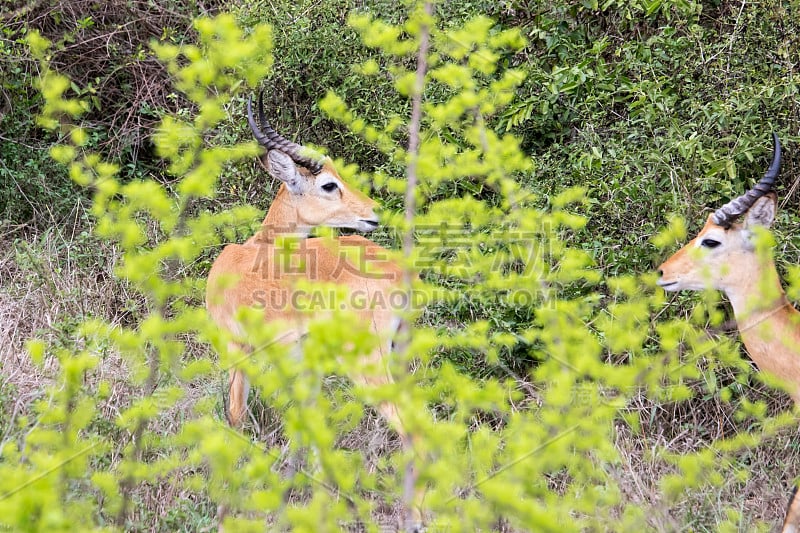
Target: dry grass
<point>694,425</point>
<point>51,281</point>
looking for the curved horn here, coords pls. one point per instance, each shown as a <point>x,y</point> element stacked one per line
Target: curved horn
<point>272,140</point>
<point>725,215</point>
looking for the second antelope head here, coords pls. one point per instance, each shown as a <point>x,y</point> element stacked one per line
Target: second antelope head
<point>312,193</point>
<point>722,256</point>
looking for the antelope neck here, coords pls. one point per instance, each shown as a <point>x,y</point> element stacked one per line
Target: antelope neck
<point>750,306</point>
<point>283,218</point>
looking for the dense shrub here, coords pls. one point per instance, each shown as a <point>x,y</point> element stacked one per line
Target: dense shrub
<point>552,388</point>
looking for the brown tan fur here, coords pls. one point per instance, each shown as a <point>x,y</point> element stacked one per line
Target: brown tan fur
<point>305,201</point>
<point>267,274</point>
<point>791,524</point>
<point>767,321</point>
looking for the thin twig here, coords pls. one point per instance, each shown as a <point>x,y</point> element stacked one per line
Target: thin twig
<point>410,481</point>
<point>126,486</point>
<point>413,142</point>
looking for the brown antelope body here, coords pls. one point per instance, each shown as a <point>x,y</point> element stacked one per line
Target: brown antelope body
<point>723,256</point>
<point>251,275</point>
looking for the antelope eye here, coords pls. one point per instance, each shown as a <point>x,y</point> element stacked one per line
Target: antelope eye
<point>709,243</point>
<point>330,186</point>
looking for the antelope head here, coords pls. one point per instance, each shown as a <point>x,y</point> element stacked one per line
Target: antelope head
<point>722,256</point>
<point>312,193</point>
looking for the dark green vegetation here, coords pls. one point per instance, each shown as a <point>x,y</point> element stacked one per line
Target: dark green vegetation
<point>653,108</point>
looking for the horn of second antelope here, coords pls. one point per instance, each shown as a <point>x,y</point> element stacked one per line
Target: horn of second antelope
<point>725,215</point>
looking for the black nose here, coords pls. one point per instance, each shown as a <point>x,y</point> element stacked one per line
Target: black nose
<point>660,273</point>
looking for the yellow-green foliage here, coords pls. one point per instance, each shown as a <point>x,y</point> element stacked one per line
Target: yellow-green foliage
<point>532,448</point>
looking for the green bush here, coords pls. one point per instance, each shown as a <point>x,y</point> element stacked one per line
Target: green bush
<point>536,359</point>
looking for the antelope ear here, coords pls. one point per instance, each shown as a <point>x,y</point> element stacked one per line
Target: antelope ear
<point>280,166</point>
<point>763,211</point>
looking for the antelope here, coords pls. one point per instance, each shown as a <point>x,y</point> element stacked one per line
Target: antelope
<point>723,256</point>
<point>791,524</point>
<point>311,194</point>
